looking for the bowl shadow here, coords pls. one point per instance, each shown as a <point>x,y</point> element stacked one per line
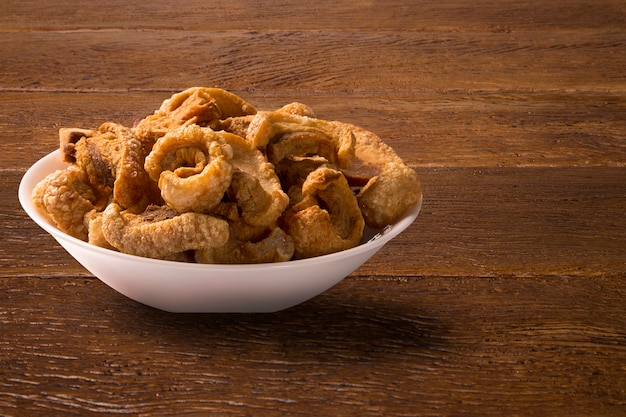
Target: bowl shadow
<point>334,326</point>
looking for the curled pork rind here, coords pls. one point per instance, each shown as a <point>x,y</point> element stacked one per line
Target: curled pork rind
<point>327,219</point>
<point>113,159</point>
<point>193,167</point>
<point>255,187</point>
<point>283,134</point>
<point>277,246</point>
<point>65,196</point>
<point>253,204</point>
<point>298,144</point>
<point>106,165</point>
<point>208,178</point>
<point>379,199</point>
<point>160,232</point>
<point>197,105</point>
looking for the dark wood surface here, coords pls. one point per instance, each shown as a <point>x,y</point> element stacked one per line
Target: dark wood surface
<point>507,296</point>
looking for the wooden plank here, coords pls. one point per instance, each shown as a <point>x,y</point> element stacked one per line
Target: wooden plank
<point>451,130</point>
<point>219,15</point>
<point>432,346</point>
<point>491,222</point>
<point>506,297</point>
<point>299,61</point>
<point>474,221</point>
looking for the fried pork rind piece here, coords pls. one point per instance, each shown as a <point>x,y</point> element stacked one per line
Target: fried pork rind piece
<point>275,247</point>
<point>93,220</point>
<point>255,187</point>
<point>390,186</point>
<point>283,134</point>
<point>161,232</point>
<point>253,203</point>
<point>239,124</point>
<point>235,125</point>
<point>327,219</point>
<point>371,155</point>
<point>68,137</point>
<point>297,108</point>
<point>113,159</point>
<point>193,167</point>
<point>197,105</point>
<point>66,196</point>
<point>293,171</point>
<point>386,196</point>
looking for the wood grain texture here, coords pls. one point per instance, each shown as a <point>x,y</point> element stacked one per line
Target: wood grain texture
<point>346,60</point>
<point>505,297</point>
<point>394,15</point>
<point>514,352</point>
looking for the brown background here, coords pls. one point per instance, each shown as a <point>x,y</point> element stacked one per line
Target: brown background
<point>507,295</point>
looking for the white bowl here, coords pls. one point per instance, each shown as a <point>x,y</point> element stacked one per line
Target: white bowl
<point>187,287</point>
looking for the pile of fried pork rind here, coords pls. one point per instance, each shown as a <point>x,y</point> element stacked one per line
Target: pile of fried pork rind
<point>208,178</point>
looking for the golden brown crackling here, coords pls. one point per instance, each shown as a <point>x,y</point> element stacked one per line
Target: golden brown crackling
<point>65,196</point>
<point>276,246</point>
<point>236,125</point>
<point>196,105</point>
<point>113,160</point>
<point>371,154</point>
<point>390,186</point>
<point>257,189</point>
<point>327,219</point>
<point>93,220</point>
<point>193,167</point>
<point>239,124</point>
<point>68,137</point>
<point>269,128</point>
<point>297,108</point>
<point>302,144</point>
<point>160,232</point>
<point>293,171</point>
<point>389,194</point>
<point>254,202</point>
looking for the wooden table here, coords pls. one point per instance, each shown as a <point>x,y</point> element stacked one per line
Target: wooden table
<point>506,297</point>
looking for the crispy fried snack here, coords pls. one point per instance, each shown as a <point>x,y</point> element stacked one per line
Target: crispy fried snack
<point>235,125</point>
<point>253,203</point>
<point>302,144</point>
<point>327,219</point>
<point>197,105</point>
<point>297,108</point>
<point>93,220</point>
<point>371,155</point>
<point>389,194</point>
<point>193,168</point>
<point>255,187</point>
<point>66,196</point>
<point>113,159</point>
<point>239,124</point>
<point>293,171</point>
<point>160,232</point>
<point>390,186</point>
<point>68,137</point>
<point>285,134</point>
<point>208,178</point>
<point>275,247</point>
